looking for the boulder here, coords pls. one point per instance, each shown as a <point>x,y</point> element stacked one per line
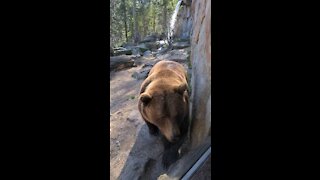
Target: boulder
<point>162,42</point>
<point>162,50</point>
<point>142,74</point>
<point>142,47</point>
<point>182,39</point>
<point>148,65</point>
<point>139,49</point>
<point>122,51</point>
<point>201,72</point>
<point>118,48</point>
<point>136,51</point>
<point>180,45</point>
<point>127,45</point>
<point>121,62</point>
<point>179,55</point>
<point>147,53</point>
<point>153,45</point>
<point>163,36</point>
<point>150,38</point>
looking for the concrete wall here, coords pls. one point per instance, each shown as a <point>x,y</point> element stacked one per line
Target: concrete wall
<point>201,71</point>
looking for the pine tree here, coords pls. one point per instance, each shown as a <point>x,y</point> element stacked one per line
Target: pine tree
<point>125,18</point>
<point>132,19</point>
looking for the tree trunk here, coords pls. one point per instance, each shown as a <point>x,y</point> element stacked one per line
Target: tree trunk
<point>153,16</point>
<point>136,35</point>
<point>131,28</point>
<point>125,19</point>
<point>143,20</point>
<point>154,21</point>
<point>165,4</point>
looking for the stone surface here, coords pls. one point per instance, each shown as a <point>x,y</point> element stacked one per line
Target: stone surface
<point>122,51</point>
<point>201,71</point>
<point>150,38</point>
<point>147,53</point>
<point>180,55</point>
<point>144,160</point>
<point>142,74</point>
<point>152,45</point>
<point>180,45</point>
<point>183,26</point>
<point>148,65</point>
<point>142,47</point>
<point>136,51</point>
<point>121,62</point>
<point>127,45</point>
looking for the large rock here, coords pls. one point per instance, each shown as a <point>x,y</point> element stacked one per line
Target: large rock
<point>163,36</point>
<point>118,48</point>
<point>142,47</point>
<point>127,45</point>
<point>147,53</point>
<point>142,74</point>
<point>162,42</point>
<point>150,38</point>
<point>139,49</point>
<point>118,63</point>
<point>180,55</point>
<point>121,51</point>
<point>182,39</point>
<point>153,45</point>
<point>136,51</point>
<point>183,26</point>
<point>180,45</point>
<point>144,160</point>
<point>201,72</point>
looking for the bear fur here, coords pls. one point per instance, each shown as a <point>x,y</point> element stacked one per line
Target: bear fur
<point>164,106</point>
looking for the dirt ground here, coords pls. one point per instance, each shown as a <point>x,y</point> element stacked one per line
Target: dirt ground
<point>131,155</point>
<point>125,121</point>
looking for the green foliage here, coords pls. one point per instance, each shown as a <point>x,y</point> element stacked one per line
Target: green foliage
<point>150,17</point>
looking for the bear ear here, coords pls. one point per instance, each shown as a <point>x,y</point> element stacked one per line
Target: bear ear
<point>145,98</point>
<point>181,88</point>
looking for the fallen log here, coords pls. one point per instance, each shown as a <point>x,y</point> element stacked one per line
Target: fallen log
<point>118,63</point>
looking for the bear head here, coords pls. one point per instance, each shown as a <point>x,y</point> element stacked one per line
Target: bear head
<point>167,107</point>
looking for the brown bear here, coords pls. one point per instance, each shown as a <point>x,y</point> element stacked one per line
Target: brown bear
<point>164,106</point>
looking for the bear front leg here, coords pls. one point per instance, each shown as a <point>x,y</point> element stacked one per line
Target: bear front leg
<point>153,130</point>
